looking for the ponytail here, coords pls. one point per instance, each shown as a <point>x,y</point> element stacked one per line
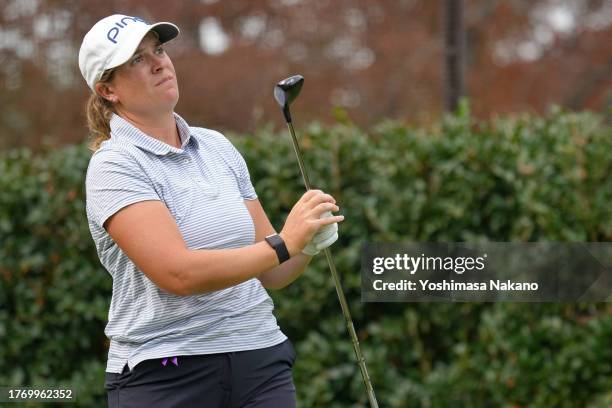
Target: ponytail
<point>99,113</point>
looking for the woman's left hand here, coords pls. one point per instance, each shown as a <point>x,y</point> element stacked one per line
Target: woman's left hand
<point>324,238</point>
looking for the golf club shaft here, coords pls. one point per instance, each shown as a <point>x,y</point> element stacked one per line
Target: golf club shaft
<point>332,267</point>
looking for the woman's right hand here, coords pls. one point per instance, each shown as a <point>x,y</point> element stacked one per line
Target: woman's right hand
<point>304,220</point>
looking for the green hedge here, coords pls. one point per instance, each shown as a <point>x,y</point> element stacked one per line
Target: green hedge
<point>510,179</point>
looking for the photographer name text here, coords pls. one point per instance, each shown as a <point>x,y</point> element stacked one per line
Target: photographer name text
<point>446,285</point>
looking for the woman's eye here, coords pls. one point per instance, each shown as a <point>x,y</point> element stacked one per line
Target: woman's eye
<point>159,50</point>
<point>136,59</point>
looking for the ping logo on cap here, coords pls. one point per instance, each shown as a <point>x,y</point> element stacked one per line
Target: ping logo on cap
<point>112,34</point>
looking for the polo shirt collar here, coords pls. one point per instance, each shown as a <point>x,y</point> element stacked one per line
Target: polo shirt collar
<point>123,130</point>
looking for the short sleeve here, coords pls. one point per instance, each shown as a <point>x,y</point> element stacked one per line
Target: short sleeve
<point>115,180</point>
<point>242,173</point>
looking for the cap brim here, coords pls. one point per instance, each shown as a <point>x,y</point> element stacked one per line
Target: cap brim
<point>166,32</point>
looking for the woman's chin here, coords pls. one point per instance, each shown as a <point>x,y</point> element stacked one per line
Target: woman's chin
<point>171,97</point>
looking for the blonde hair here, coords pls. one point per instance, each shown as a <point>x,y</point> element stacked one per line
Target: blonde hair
<point>99,112</point>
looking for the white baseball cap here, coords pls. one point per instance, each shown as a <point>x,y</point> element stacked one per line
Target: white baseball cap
<point>113,40</point>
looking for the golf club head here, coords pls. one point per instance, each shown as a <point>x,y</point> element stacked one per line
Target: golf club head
<point>286,91</point>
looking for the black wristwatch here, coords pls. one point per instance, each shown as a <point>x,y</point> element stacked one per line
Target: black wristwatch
<point>277,243</point>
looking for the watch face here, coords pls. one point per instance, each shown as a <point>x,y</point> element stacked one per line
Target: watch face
<point>277,243</point>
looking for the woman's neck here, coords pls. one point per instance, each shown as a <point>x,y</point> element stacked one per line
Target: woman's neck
<point>162,127</point>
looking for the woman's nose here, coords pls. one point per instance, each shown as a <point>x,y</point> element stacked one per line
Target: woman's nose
<point>157,61</point>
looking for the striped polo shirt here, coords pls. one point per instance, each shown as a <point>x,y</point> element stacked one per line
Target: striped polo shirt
<point>204,184</point>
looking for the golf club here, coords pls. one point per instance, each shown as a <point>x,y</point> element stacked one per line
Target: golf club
<point>285,92</point>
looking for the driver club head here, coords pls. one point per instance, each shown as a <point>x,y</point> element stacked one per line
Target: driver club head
<point>286,91</point>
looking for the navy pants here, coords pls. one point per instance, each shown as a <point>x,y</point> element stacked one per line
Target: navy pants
<point>244,379</point>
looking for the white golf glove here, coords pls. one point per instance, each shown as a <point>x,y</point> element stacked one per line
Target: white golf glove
<point>327,235</point>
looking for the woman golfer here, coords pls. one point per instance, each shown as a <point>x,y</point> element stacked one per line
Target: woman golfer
<point>177,224</point>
